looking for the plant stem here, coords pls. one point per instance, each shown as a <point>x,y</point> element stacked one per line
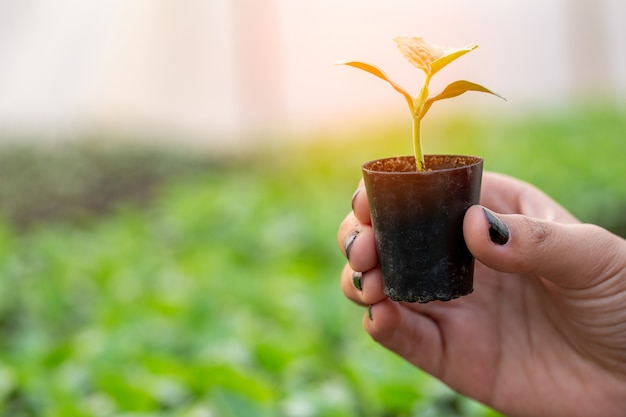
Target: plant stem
<point>417,125</point>
<point>417,143</point>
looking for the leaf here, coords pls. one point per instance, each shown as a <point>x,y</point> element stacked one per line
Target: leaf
<point>380,74</point>
<point>428,58</point>
<point>448,57</point>
<point>417,52</point>
<point>456,89</point>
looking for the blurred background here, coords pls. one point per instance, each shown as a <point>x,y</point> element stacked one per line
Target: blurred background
<point>204,70</point>
<point>172,175</point>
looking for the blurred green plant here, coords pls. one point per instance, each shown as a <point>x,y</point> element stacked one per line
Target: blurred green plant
<point>217,297</point>
<point>218,294</point>
<point>77,181</point>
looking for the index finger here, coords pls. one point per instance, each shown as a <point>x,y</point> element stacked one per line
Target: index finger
<point>360,205</point>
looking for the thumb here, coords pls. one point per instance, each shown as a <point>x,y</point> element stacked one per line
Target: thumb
<point>569,255</point>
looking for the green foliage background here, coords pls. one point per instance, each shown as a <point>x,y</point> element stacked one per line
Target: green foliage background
<point>149,282</point>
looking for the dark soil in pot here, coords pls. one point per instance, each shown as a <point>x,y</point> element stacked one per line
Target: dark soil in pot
<point>418,224</point>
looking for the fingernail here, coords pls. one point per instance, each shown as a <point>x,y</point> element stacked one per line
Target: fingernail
<point>369,312</point>
<point>347,244</point>
<point>356,280</point>
<point>356,193</point>
<point>498,232</point>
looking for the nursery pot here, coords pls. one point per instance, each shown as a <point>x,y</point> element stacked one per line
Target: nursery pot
<point>418,224</point>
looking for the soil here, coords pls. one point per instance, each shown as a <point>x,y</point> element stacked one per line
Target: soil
<point>433,163</point>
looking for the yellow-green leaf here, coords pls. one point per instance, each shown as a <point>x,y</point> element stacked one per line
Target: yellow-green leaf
<point>456,89</point>
<point>428,58</point>
<point>449,56</point>
<point>380,74</point>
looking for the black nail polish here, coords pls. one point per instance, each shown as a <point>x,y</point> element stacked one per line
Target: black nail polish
<point>498,232</point>
<point>347,244</point>
<point>356,280</point>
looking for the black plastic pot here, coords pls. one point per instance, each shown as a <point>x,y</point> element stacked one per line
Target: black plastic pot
<point>418,224</point>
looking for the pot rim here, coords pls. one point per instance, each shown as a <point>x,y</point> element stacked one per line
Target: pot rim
<point>476,161</point>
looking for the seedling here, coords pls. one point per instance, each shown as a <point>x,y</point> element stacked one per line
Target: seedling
<point>429,59</point>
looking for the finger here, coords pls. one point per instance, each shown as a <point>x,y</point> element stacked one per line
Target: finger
<point>347,230</point>
<point>360,205</point>
<point>570,255</point>
<point>356,242</point>
<point>363,288</point>
<point>416,337</point>
<point>509,195</point>
<point>372,286</point>
<point>361,250</point>
<point>351,288</point>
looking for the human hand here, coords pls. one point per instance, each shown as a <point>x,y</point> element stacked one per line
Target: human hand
<point>543,333</point>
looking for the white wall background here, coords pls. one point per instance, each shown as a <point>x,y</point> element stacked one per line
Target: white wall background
<point>212,70</point>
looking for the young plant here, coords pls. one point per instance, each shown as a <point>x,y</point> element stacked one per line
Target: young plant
<point>429,59</point>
